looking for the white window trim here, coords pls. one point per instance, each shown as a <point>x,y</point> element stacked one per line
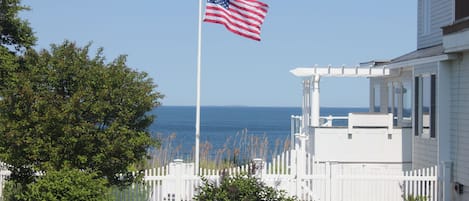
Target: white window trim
<point>421,133</point>
<point>426,17</point>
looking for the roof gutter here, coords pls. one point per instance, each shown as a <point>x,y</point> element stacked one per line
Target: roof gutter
<point>414,62</point>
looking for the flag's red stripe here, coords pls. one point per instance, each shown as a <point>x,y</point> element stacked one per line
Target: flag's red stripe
<point>258,2</point>
<point>233,30</point>
<point>250,6</point>
<point>231,17</point>
<point>244,15</point>
<point>254,12</point>
<point>248,19</point>
<point>237,25</point>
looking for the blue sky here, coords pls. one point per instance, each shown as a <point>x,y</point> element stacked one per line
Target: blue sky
<point>160,37</point>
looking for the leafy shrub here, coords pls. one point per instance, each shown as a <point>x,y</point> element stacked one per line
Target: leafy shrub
<point>12,191</point>
<point>415,198</point>
<point>240,188</point>
<point>63,185</point>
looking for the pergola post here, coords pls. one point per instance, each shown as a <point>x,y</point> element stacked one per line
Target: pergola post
<point>315,109</point>
<point>306,106</point>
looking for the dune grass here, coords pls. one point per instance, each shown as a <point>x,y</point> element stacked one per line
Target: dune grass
<point>236,150</point>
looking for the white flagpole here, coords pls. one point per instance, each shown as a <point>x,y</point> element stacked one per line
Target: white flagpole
<point>197,110</point>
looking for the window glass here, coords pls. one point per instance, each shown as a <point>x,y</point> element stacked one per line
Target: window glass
<point>426,104</point>
<point>433,106</point>
<point>407,100</point>
<point>417,106</point>
<point>461,9</point>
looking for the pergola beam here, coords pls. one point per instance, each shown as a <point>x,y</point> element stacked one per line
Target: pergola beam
<point>342,71</point>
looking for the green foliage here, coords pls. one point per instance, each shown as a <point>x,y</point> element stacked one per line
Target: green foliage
<point>12,191</point>
<point>415,198</point>
<point>240,188</point>
<point>15,36</point>
<point>62,185</point>
<point>137,191</point>
<point>14,32</point>
<point>61,108</point>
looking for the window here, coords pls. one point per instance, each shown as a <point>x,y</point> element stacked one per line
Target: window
<point>426,16</point>
<point>425,106</point>
<point>433,106</point>
<point>407,100</point>
<point>417,106</point>
<point>461,9</point>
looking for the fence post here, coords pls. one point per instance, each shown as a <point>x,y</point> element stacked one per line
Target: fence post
<point>299,162</point>
<point>176,171</point>
<point>328,181</point>
<point>259,167</point>
<point>299,170</point>
<point>175,186</point>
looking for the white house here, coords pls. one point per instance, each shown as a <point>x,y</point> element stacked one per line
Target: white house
<point>418,112</point>
<point>419,104</point>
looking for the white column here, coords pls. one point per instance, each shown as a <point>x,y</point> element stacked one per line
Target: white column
<point>306,106</point>
<point>400,103</point>
<point>315,110</point>
<point>383,92</point>
<point>372,95</point>
<point>443,94</point>
<point>443,109</point>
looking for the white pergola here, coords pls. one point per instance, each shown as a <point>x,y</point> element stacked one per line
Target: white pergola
<point>311,77</point>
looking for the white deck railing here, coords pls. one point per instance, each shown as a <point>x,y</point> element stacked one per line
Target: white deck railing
<point>353,119</point>
<point>328,121</point>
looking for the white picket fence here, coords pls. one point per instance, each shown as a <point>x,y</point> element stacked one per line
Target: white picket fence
<point>297,173</point>
<point>300,175</point>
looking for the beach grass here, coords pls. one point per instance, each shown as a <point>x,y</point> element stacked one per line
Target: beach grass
<point>236,150</point>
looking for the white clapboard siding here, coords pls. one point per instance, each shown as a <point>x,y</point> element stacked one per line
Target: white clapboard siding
<point>459,120</point>
<point>441,14</point>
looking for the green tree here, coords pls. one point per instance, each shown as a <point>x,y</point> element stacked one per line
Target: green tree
<point>63,108</point>
<point>240,188</point>
<point>15,36</point>
<point>14,31</point>
<point>63,185</point>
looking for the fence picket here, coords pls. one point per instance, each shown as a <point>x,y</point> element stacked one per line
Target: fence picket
<point>312,180</point>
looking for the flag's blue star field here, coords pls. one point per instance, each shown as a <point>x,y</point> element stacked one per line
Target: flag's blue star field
<point>224,3</point>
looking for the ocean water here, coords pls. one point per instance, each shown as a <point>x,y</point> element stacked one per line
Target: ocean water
<point>220,123</point>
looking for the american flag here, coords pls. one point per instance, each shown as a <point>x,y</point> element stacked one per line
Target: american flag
<point>242,17</point>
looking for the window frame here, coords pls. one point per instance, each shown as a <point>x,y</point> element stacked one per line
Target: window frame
<point>419,104</point>
<point>459,12</point>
